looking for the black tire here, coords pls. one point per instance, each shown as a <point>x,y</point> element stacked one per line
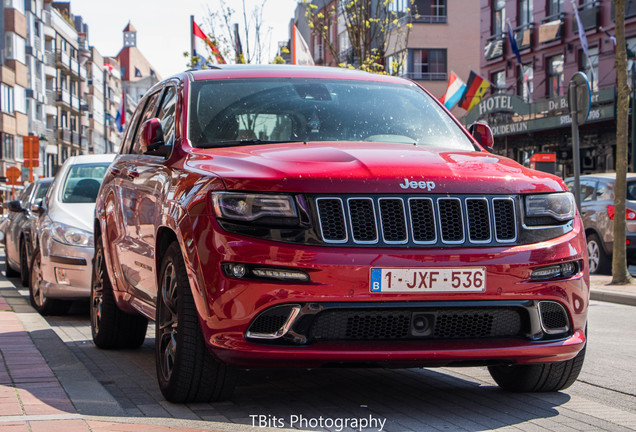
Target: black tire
<point>186,370</point>
<point>542,377</point>
<point>24,265</point>
<point>39,301</point>
<point>8,271</point>
<point>598,260</point>
<point>111,327</point>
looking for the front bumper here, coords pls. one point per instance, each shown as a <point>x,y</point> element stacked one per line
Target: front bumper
<point>66,270</point>
<point>228,306</point>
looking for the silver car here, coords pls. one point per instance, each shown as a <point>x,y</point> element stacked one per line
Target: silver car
<point>61,266</point>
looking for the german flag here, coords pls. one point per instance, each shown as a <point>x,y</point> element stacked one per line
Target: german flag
<point>476,87</point>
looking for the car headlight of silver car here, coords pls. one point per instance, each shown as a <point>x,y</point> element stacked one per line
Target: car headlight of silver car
<point>543,208</point>
<point>247,207</point>
<point>70,235</point>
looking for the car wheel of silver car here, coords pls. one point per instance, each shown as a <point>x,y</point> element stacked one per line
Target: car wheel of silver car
<point>541,377</point>
<point>186,370</point>
<point>111,327</point>
<point>24,265</point>
<point>39,300</point>
<point>598,260</point>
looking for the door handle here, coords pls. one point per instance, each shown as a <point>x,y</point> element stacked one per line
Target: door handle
<point>132,174</point>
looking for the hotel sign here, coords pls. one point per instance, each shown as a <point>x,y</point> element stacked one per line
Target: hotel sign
<point>546,114</point>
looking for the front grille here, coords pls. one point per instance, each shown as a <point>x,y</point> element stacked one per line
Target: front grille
<point>436,220</point>
<point>455,323</point>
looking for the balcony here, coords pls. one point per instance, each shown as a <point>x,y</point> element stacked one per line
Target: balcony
<point>64,135</point>
<point>494,46</point>
<point>427,76</point>
<point>63,96</point>
<point>62,60</point>
<point>523,36</point>
<point>551,29</point>
<point>590,13</point>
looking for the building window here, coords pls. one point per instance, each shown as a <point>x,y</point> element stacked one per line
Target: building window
<point>137,73</point>
<point>6,98</point>
<point>590,68</point>
<point>8,147</point>
<point>19,101</point>
<point>429,64</point>
<point>438,8</point>
<point>526,83</point>
<point>555,76</point>
<point>525,12</point>
<point>555,7</point>
<point>15,4</point>
<point>499,16</point>
<point>15,47</point>
<point>499,81</point>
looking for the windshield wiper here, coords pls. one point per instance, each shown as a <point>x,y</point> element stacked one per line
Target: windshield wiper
<point>243,142</point>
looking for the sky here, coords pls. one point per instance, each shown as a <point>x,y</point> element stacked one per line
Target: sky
<point>163,26</point>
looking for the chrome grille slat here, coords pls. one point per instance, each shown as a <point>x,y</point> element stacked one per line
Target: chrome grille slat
<point>418,220</point>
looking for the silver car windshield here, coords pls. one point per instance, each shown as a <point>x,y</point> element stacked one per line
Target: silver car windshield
<point>254,111</point>
<point>82,182</point>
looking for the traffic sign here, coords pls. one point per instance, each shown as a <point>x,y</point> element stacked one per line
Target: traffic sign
<point>579,88</point>
<point>31,163</point>
<point>31,147</point>
<point>13,175</point>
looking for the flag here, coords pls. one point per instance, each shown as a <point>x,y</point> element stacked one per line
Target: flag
<point>476,87</point>
<point>581,29</point>
<point>454,92</point>
<point>513,43</point>
<point>300,51</point>
<point>120,119</point>
<point>217,57</point>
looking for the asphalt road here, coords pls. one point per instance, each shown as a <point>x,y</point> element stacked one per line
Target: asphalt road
<point>604,398</point>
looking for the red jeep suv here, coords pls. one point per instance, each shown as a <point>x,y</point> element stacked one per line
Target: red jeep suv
<point>291,216</point>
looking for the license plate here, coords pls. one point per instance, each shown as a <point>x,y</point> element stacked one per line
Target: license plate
<point>419,280</point>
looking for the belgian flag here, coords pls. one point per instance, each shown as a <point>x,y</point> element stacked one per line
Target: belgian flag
<point>476,87</point>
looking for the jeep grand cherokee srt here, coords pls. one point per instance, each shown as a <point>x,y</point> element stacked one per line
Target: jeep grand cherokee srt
<point>291,216</point>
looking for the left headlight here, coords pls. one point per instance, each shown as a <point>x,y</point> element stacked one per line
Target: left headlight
<point>558,206</point>
<point>70,235</point>
<point>246,207</point>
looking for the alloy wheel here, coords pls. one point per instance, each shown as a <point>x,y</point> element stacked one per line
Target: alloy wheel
<point>97,291</point>
<point>168,321</point>
<point>36,278</point>
<point>593,252</point>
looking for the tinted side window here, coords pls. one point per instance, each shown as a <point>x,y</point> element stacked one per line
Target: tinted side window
<point>148,113</point>
<point>166,114</point>
<point>24,197</point>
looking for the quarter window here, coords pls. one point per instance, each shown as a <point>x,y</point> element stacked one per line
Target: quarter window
<point>149,112</point>
<point>166,114</point>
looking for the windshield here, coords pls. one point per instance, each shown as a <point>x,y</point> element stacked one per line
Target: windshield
<point>254,111</point>
<point>83,182</point>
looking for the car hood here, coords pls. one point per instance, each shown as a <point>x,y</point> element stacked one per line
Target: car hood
<point>76,215</point>
<point>350,167</point>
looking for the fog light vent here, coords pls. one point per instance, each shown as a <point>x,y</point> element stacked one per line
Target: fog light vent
<point>274,322</point>
<point>554,318</point>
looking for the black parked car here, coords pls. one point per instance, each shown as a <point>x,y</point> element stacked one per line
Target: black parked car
<point>19,228</point>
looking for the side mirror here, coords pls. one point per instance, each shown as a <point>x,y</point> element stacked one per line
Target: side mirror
<point>151,138</point>
<point>14,206</point>
<point>483,135</point>
<point>36,207</point>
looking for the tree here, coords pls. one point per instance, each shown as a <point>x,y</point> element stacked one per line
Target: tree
<point>374,28</point>
<point>620,274</point>
<point>248,44</point>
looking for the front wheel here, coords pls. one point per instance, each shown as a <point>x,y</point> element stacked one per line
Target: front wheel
<point>186,370</point>
<point>111,327</point>
<point>37,296</point>
<point>542,377</point>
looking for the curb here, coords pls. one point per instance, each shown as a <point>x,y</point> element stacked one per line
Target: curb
<point>613,297</point>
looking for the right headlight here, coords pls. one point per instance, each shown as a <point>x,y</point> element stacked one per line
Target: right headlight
<point>247,207</point>
<point>558,206</point>
<point>70,235</point>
